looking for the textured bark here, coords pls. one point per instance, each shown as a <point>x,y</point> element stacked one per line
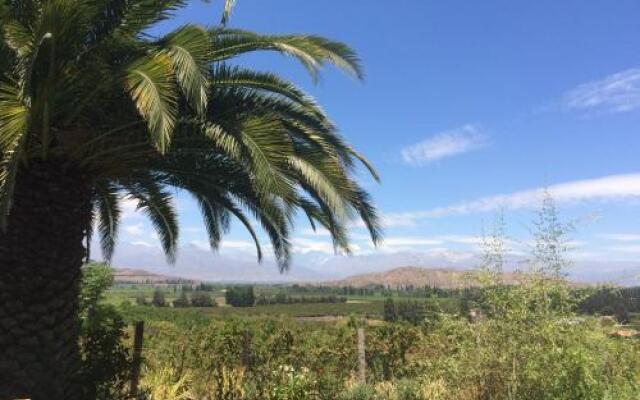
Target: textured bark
<point>41,253</point>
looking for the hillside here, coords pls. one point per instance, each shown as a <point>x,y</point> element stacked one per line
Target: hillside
<point>130,275</point>
<point>415,276</point>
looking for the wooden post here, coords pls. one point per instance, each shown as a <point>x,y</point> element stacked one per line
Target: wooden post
<point>362,360</point>
<point>137,357</point>
<point>245,356</point>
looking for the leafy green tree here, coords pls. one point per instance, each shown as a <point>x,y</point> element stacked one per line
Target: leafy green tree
<point>389,310</point>
<point>202,299</point>
<point>106,364</point>
<point>96,279</point>
<point>158,298</point>
<point>182,300</point>
<point>240,296</point>
<point>95,110</point>
<point>141,299</point>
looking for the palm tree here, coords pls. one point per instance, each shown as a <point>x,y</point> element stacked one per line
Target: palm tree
<point>94,111</point>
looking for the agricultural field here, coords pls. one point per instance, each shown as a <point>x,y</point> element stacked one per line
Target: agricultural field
<point>310,351</point>
<point>368,306</point>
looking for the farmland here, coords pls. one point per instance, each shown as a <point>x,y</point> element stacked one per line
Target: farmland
<point>256,352</point>
<point>368,305</point>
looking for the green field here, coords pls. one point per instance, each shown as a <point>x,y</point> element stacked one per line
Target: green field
<point>367,306</point>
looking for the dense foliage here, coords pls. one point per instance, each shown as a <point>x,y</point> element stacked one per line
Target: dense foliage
<point>616,301</point>
<point>240,296</point>
<point>282,298</point>
<point>106,363</point>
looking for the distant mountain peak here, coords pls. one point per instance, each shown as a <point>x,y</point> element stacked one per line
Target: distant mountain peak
<point>131,275</point>
<point>446,278</point>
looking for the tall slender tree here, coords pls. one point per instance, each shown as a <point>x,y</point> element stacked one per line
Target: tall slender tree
<point>94,111</point>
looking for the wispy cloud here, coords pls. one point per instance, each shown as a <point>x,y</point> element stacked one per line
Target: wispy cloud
<point>444,144</point>
<point>628,249</point>
<point>142,243</point>
<point>241,245</point>
<point>135,229</point>
<point>608,188</point>
<point>619,92</point>
<point>620,237</point>
<point>411,241</point>
<point>304,246</point>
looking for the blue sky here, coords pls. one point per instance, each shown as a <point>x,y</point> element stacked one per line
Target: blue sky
<point>467,107</point>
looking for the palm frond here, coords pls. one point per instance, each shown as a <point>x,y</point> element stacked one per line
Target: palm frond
<point>369,215</point>
<point>141,14</point>
<point>226,13</point>
<point>311,51</point>
<point>150,83</point>
<point>157,204</point>
<point>267,146</point>
<point>237,212</point>
<point>18,37</point>
<point>14,116</point>
<point>107,203</point>
<point>224,76</point>
<point>189,48</point>
<point>363,160</point>
<point>322,213</point>
<point>320,183</point>
<point>215,220</point>
<point>275,222</point>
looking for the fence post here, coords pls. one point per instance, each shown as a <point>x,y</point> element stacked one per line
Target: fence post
<point>362,360</point>
<point>137,357</point>
<point>245,356</point>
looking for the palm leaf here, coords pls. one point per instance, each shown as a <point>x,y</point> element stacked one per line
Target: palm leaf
<point>225,76</point>
<point>150,83</point>
<point>311,51</point>
<point>108,209</point>
<point>158,206</point>
<point>226,13</point>
<point>320,183</point>
<point>13,133</point>
<point>267,146</point>
<point>189,48</point>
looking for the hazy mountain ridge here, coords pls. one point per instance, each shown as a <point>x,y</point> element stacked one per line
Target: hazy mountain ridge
<point>131,275</point>
<point>446,278</point>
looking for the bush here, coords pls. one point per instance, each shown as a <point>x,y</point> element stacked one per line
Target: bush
<point>202,299</point>
<point>359,392</point>
<point>141,299</point>
<point>105,359</point>
<point>181,301</point>
<point>240,296</point>
<point>158,298</point>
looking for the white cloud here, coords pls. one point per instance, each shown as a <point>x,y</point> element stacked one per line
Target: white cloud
<point>407,243</point>
<point>620,237</point>
<point>305,245</point>
<point>200,244</point>
<point>410,241</point>
<point>319,232</point>
<point>608,188</point>
<point>615,93</point>
<point>632,248</point>
<point>232,245</point>
<point>444,144</point>
<point>142,243</point>
<point>238,245</point>
<point>128,208</point>
<point>135,229</point>
<point>462,239</point>
<point>454,256</point>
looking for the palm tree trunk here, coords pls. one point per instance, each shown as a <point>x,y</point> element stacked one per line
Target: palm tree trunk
<point>41,253</point>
